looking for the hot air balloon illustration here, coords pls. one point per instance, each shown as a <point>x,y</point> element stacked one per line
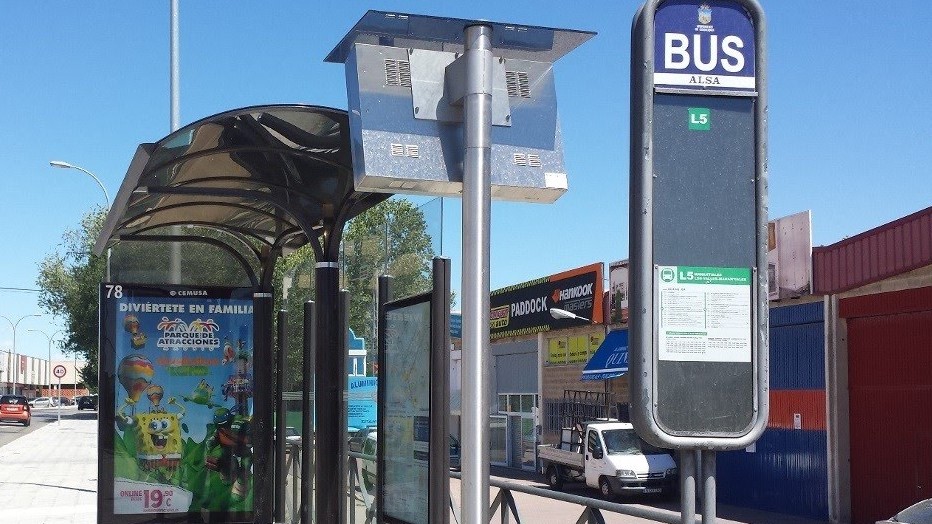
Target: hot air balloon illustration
<point>135,374</point>
<point>155,393</point>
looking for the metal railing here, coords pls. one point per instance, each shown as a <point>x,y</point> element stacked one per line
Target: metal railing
<point>504,503</point>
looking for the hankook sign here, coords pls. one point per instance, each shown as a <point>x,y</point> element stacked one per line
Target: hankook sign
<point>524,309</point>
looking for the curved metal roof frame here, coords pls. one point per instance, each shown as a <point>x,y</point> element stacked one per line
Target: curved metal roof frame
<point>273,177</point>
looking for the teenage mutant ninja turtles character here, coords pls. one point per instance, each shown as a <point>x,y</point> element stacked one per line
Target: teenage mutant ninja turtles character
<point>229,450</point>
<point>158,438</point>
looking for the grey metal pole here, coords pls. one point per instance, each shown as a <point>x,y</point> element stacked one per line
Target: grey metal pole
<point>174,74</point>
<point>477,198</point>
<point>175,110</point>
<point>687,486</point>
<point>708,487</point>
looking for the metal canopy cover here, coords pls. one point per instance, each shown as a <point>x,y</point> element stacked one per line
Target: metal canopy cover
<point>268,175</point>
<point>446,34</point>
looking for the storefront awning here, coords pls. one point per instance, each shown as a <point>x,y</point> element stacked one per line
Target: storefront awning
<point>611,359</point>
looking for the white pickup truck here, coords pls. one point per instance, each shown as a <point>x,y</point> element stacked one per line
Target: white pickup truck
<point>608,456</point>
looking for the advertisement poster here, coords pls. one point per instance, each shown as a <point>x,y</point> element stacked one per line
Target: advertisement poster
<point>789,256</point>
<point>705,314</point>
<point>362,408</point>
<point>182,400</point>
<point>618,291</point>
<point>526,308</point>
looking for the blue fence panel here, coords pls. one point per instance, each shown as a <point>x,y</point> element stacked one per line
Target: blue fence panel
<point>787,473</point>
<point>797,347</point>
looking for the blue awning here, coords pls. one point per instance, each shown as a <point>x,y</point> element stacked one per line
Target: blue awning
<point>611,359</point>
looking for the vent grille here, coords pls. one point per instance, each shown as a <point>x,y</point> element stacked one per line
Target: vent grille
<point>406,150</point>
<point>397,72</point>
<point>518,84</point>
<point>527,160</point>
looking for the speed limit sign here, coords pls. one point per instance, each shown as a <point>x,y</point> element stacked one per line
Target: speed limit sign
<point>59,371</point>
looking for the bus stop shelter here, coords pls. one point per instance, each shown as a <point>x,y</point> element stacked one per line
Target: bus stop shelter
<point>258,183</point>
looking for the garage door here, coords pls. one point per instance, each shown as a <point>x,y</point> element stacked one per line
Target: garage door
<point>890,383</point>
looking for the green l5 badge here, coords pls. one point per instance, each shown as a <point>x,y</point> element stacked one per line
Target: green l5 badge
<point>700,119</point>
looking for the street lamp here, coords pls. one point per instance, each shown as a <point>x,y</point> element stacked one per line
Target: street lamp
<point>66,165</point>
<point>15,363</point>
<point>48,367</point>
<point>558,314</point>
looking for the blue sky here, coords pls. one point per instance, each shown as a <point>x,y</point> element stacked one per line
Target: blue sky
<point>85,82</point>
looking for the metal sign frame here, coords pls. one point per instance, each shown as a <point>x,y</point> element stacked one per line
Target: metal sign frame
<point>647,387</point>
<point>437,455</point>
<point>243,385</point>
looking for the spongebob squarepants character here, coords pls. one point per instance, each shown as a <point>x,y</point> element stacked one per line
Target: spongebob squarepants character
<point>158,439</point>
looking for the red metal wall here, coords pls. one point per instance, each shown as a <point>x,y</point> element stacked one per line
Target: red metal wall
<point>891,249</point>
<point>890,386</point>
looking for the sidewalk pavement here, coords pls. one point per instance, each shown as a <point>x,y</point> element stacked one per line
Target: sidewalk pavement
<point>50,475</point>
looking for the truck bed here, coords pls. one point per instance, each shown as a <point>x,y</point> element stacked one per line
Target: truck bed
<point>571,459</point>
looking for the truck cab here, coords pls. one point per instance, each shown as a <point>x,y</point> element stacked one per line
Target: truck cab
<point>610,456</point>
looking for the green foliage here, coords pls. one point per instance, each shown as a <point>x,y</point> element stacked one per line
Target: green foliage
<point>390,238</point>
<point>68,284</point>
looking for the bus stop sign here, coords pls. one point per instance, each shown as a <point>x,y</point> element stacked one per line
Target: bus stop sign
<point>698,321</point>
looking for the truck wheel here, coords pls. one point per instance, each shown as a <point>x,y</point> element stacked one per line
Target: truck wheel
<point>554,478</point>
<point>605,488</point>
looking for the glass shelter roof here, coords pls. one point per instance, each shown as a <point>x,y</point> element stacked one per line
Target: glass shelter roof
<point>270,177</point>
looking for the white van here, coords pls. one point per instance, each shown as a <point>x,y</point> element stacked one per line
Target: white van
<point>612,458</point>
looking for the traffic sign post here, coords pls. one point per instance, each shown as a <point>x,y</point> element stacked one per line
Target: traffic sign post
<point>59,372</point>
<point>698,219</point>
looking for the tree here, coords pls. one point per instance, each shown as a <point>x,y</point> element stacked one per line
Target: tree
<point>69,279</point>
<point>390,238</point>
<point>68,284</point>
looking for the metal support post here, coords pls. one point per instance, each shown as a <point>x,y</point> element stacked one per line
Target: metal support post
<point>262,407</point>
<point>687,486</point>
<point>280,471</point>
<point>477,197</point>
<point>307,411</point>
<point>330,368</point>
<point>708,487</point>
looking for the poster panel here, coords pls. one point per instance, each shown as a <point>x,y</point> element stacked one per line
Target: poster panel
<point>525,309</point>
<point>176,404</point>
<point>406,439</point>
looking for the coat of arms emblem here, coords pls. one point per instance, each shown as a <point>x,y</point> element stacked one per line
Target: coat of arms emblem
<point>705,14</point>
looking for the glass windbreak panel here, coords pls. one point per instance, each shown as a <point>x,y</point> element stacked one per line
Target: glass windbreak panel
<point>529,443</point>
<point>502,403</point>
<point>498,439</point>
<point>149,262</point>
<point>514,403</point>
<point>527,403</point>
<point>398,238</point>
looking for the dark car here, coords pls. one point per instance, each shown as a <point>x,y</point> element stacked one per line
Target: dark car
<point>15,408</point>
<point>87,402</point>
<point>454,453</point>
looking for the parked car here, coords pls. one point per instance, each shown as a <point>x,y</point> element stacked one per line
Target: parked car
<point>41,402</point>
<point>918,513</point>
<point>454,453</point>
<point>15,408</point>
<point>358,439</point>
<point>62,401</point>
<point>87,402</point>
